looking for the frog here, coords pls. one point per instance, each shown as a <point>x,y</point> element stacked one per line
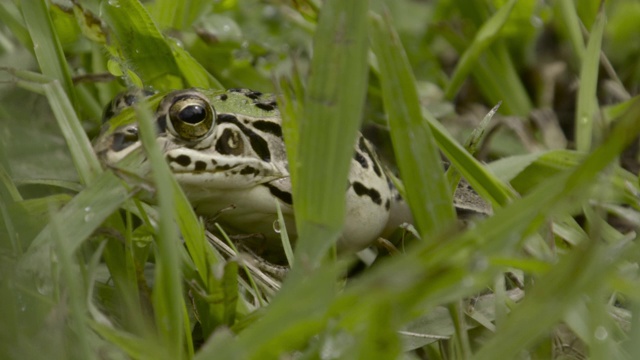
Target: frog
<point>227,151</point>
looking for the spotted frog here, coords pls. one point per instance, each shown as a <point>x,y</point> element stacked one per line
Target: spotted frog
<point>226,150</point>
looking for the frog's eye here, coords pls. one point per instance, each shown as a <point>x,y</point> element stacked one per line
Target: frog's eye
<point>191,117</point>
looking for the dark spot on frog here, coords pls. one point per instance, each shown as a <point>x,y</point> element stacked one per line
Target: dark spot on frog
<point>361,160</point>
<point>224,167</point>
<point>182,160</point>
<point>200,165</point>
<point>229,143</point>
<point>268,106</point>
<point>268,127</point>
<point>387,205</point>
<point>248,170</point>
<point>108,113</point>
<point>253,95</point>
<point>365,148</point>
<point>361,190</point>
<point>280,194</point>
<point>214,162</point>
<point>223,97</point>
<point>130,99</point>
<point>258,144</point>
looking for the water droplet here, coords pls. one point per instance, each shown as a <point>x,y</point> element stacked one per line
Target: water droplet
<point>276,227</point>
<point>536,21</point>
<point>601,333</point>
<point>44,287</point>
<point>20,301</point>
<point>226,28</point>
<point>177,42</point>
<point>88,214</point>
<point>114,3</point>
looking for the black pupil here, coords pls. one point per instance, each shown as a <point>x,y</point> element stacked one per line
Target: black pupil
<point>192,114</point>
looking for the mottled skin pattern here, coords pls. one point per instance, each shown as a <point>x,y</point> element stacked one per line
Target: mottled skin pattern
<point>227,152</point>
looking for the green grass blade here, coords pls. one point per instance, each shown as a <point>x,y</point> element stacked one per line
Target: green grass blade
<point>167,12</point>
<point>570,19</point>
<point>564,287</point>
<point>86,211</point>
<point>77,306</point>
<point>332,114</point>
<point>295,316</point>
<point>418,158</point>
<point>481,179</point>
<point>10,16</point>
<point>46,44</point>
<point>587,101</point>
<point>84,158</point>
<point>167,293</point>
<point>136,347</point>
<point>485,36</point>
<point>148,52</point>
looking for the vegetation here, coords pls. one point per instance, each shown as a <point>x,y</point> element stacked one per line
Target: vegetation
<point>90,269</point>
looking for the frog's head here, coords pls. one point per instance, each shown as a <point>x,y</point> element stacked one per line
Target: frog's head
<point>216,139</point>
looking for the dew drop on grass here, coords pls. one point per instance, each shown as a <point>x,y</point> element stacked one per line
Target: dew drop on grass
<point>536,21</point>
<point>44,287</point>
<point>21,303</point>
<point>88,214</point>
<point>601,333</point>
<point>276,226</point>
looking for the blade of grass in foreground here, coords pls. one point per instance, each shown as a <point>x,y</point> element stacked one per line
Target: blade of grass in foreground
<point>483,39</point>
<point>413,142</point>
<point>332,114</point>
<point>46,44</point>
<point>570,19</point>
<point>587,100</point>
<point>167,293</point>
<point>84,159</point>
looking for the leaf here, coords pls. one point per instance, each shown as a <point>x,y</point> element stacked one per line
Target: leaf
<point>413,142</point>
<point>46,44</point>
<point>167,293</point>
<point>485,36</point>
<point>153,57</point>
<point>587,100</point>
<point>332,114</point>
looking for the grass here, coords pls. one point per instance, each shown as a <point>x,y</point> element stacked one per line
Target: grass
<point>90,269</point>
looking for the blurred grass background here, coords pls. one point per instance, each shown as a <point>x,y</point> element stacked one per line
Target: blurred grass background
<point>91,270</point>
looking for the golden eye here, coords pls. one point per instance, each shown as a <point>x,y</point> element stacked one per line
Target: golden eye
<point>191,117</point>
